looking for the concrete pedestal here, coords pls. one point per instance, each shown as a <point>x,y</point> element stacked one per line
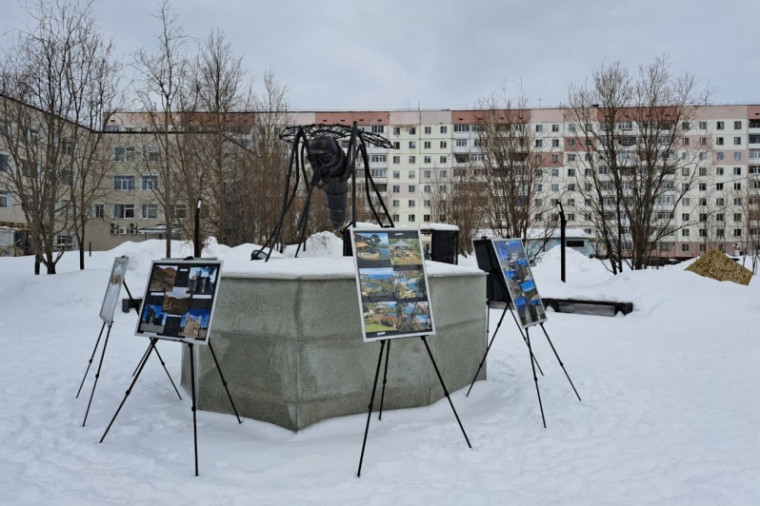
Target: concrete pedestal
<point>288,337</point>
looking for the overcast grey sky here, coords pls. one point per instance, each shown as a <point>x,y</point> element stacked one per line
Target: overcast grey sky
<point>446,54</point>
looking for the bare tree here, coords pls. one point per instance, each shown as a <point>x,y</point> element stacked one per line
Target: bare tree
<point>631,131</point>
<point>164,76</point>
<point>219,133</point>
<point>59,81</point>
<point>254,193</point>
<point>512,167</point>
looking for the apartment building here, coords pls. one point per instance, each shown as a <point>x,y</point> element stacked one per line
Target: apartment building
<point>721,144</point>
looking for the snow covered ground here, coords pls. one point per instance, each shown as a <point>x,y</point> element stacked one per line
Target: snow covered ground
<point>669,415</point>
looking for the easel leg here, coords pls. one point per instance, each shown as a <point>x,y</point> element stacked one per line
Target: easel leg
<point>488,348</point>
<point>89,363</point>
<point>560,362</point>
<point>440,378</point>
<point>525,340</point>
<point>535,378</point>
<point>163,364</point>
<point>143,359</point>
<point>224,382</point>
<point>129,390</point>
<point>385,380</point>
<point>371,403</point>
<point>97,375</point>
<point>192,389</point>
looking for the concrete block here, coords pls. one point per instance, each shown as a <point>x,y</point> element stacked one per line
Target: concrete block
<point>289,343</point>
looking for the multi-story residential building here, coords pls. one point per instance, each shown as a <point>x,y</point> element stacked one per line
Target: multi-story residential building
<point>720,145</point>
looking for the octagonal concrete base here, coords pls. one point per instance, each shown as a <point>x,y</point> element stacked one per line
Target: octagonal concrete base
<point>288,338</point>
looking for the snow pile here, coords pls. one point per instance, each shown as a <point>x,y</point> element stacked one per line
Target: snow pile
<point>665,419</point>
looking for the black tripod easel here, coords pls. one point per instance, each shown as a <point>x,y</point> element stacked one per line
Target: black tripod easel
<point>493,338</point>
<point>132,304</point>
<point>533,362</point>
<point>151,347</point>
<point>487,261</point>
<point>387,351</point>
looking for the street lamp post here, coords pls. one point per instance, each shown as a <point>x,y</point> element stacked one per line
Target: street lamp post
<point>562,225</point>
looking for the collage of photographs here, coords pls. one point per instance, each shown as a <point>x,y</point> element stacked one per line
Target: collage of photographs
<point>392,284</point>
<point>179,300</point>
<point>518,276</point>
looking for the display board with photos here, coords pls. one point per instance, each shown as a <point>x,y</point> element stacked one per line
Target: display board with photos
<point>111,297</point>
<point>392,284</point>
<point>179,300</point>
<point>518,278</point>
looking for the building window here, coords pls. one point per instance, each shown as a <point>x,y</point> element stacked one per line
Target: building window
<point>719,141</point>
<point>412,188</point>
<point>412,130</point>
<point>150,182</point>
<point>718,171</point>
<point>124,154</point>
<point>737,156</point>
<point>539,143</point>
<point>412,218</point>
<point>124,182</point>
<point>426,218</point>
<point>737,125</point>
<point>411,203</point>
<point>396,188</point>
<point>737,186</point>
<point>412,160</point>
<point>412,144</point>
<point>719,125</point>
<point>539,128</point>
<point>426,203</point>
<point>426,145</point>
<point>428,130</point>
<point>737,141</point>
<point>150,153</point>
<point>396,130</point>
<point>150,211</point>
<point>395,203</point>
<point>718,186</point>
<point>412,174</point>
<point>443,173</point>
<point>737,232</point>
<point>378,129</point>
<point>555,158</point>
<point>396,217</point>
<point>444,129</point>
<point>396,160</point>
<point>461,143</point>
<point>427,159</point>
<point>180,211</point>
<point>444,144</point>
<point>5,198</point>
<point>5,162</point>
<point>98,211</point>
<point>426,189</point>
<point>122,211</point>
<point>396,174</point>
<point>444,159</point>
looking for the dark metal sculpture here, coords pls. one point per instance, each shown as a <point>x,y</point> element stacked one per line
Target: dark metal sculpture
<point>331,170</point>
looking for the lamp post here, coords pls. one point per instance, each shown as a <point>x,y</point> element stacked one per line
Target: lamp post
<point>562,225</point>
<point>197,234</point>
